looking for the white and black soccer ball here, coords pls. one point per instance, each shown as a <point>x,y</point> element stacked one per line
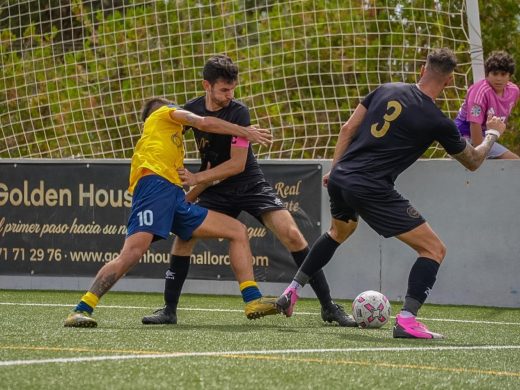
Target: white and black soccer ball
<point>371,309</point>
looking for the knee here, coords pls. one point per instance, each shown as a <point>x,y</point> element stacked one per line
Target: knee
<point>442,251</point>
<point>240,231</point>
<point>128,258</point>
<point>290,236</point>
<point>182,248</point>
<point>294,238</point>
<point>133,253</point>
<point>339,232</point>
<point>437,251</point>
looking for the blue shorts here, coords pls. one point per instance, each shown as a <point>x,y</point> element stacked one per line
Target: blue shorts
<point>384,210</point>
<point>159,207</point>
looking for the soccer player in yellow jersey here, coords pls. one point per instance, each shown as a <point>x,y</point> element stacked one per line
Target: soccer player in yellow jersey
<point>159,207</point>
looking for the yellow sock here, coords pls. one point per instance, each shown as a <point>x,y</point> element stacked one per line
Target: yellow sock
<point>90,299</point>
<point>249,290</point>
<point>248,283</point>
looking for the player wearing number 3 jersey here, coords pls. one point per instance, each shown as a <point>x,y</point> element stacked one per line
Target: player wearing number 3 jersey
<point>159,207</point>
<point>391,128</point>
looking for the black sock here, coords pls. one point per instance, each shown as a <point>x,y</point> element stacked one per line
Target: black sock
<point>318,282</point>
<point>320,254</point>
<point>174,280</point>
<point>420,282</point>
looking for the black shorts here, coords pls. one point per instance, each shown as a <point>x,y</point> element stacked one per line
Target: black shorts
<point>256,199</point>
<point>384,210</point>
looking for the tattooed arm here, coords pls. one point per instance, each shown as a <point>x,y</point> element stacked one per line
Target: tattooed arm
<point>471,157</point>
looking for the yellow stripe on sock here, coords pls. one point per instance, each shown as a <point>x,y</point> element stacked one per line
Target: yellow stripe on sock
<point>248,283</point>
<point>90,299</point>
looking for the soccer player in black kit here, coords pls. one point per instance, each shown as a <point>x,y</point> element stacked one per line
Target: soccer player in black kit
<point>238,185</point>
<point>391,128</point>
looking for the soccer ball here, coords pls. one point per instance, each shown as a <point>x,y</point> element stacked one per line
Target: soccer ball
<point>371,309</point>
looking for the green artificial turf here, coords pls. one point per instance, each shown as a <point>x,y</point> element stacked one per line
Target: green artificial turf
<point>216,346</point>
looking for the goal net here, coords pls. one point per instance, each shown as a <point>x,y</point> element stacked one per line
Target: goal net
<point>75,73</point>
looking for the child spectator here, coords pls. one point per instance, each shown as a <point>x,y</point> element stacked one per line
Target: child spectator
<point>495,95</point>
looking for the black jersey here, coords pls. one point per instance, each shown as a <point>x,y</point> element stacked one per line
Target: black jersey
<point>216,148</point>
<point>400,124</point>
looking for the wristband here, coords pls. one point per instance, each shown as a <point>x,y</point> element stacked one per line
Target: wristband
<point>493,132</point>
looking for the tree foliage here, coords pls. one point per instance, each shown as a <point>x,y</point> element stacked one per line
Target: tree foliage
<point>75,72</point>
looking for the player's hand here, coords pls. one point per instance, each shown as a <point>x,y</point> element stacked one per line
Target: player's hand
<point>494,122</point>
<point>259,136</point>
<point>209,184</point>
<point>188,179</point>
<point>325,180</point>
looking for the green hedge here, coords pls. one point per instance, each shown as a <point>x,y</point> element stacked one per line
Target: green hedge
<point>77,91</point>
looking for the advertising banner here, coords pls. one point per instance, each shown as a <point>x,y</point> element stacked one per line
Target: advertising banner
<point>68,219</point>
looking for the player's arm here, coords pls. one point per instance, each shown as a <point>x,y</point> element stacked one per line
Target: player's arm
<point>348,131</point>
<point>200,181</point>
<point>472,157</point>
<point>476,133</point>
<point>235,165</point>
<point>346,134</point>
<point>211,124</point>
<point>195,191</point>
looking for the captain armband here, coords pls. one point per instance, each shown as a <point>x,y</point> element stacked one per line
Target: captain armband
<point>239,142</point>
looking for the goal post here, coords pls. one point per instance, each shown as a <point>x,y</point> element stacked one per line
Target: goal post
<point>74,74</point>
<point>475,40</point>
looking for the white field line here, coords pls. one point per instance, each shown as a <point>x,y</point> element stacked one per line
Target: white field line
<point>241,311</point>
<point>258,352</point>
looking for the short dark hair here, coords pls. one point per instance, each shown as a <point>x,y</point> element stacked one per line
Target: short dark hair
<point>153,104</point>
<point>499,61</point>
<point>218,67</point>
<point>442,61</point>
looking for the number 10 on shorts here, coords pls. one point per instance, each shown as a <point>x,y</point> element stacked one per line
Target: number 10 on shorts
<point>145,218</point>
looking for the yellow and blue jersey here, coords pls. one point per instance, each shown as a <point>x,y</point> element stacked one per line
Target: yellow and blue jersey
<point>160,148</point>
